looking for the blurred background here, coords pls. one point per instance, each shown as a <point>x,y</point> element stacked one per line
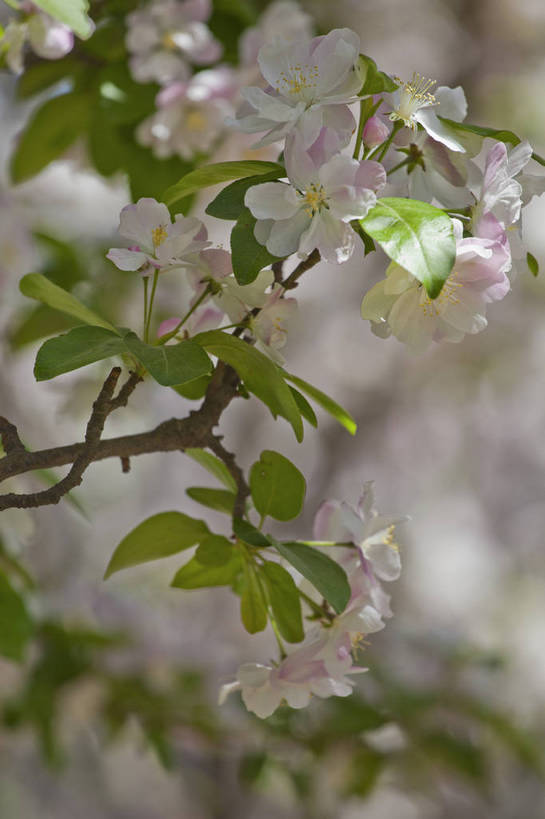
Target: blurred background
<point>449,722</point>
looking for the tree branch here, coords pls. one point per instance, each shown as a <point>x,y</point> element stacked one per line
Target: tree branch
<point>243,490</point>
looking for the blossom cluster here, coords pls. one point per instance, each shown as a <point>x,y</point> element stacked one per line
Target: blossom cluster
<point>47,37</point>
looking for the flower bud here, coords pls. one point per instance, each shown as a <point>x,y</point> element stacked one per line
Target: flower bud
<point>375,132</point>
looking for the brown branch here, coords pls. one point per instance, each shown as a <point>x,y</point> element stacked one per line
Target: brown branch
<point>10,437</point>
<point>243,490</point>
<point>301,268</point>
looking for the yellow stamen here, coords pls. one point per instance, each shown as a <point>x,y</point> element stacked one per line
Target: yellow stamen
<point>388,538</point>
<point>196,121</point>
<point>315,199</point>
<point>299,78</point>
<point>415,94</point>
<point>159,234</point>
<point>434,307</point>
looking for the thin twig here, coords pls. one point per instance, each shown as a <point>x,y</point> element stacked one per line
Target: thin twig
<point>243,490</point>
<point>301,268</point>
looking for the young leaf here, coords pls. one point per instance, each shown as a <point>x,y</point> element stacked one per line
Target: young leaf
<point>374,81</point>
<point>501,135</point>
<point>36,286</point>
<point>249,534</point>
<point>196,576</point>
<point>229,203</point>
<point>304,407</point>
<point>278,487</point>
<point>73,13</point>
<point>16,627</point>
<point>213,465</point>
<point>260,375</point>
<point>74,349</point>
<point>214,174</point>
<point>328,404</point>
<point>532,263</point>
<point>249,257</point>
<point>327,576</point>
<point>50,131</point>
<point>161,535</point>
<point>285,601</point>
<point>416,235</point>
<point>170,364</point>
<point>214,550</point>
<point>220,499</point>
<point>253,611</point>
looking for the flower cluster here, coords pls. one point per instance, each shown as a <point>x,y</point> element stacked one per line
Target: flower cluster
<point>46,36</point>
<point>324,662</point>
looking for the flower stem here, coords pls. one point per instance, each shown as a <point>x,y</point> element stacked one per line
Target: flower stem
<point>366,112</point>
<point>383,147</point>
<point>183,320</point>
<point>150,309</point>
<point>146,283</point>
<point>398,166</point>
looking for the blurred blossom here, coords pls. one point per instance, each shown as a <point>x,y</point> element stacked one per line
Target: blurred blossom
<point>46,36</point>
<point>284,19</point>
<point>166,36</point>
<point>18,254</point>
<point>270,325</point>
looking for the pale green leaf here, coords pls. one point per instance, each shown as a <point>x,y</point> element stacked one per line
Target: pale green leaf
<point>194,575</point>
<point>16,626</point>
<point>328,404</point>
<point>74,349</point>
<point>38,287</point>
<point>73,13</point>
<point>285,601</point>
<point>253,611</point>
<point>209,175</point>
<point>213,465</point>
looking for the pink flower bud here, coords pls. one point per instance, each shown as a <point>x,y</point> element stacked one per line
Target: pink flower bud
<point>375,132</point>
<point>167,326</point>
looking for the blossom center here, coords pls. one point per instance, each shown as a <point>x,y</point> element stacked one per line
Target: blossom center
<point>195,121</point>
<point>159,234</point>
<point>315,198</point>
<point>415,94</point>
<point>168,42</point>
<point>298,80</point>
<point>388,538</point>
<point>447,296</point>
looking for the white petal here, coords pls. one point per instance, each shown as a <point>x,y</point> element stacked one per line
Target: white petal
<point>437,129</point>
<point>126,259</point>
<point>272,200</point>
<point>285,235</point>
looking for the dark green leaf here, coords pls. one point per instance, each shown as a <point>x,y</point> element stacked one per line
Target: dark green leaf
<point>220,499</point>
<point>328,404</point>
<point>278,487</point>
<point>253,611</point>
<point>214,174</point>
<point>161,535</point>
<point>36,286</point>
<point>46,73</point>
<point>417,236</point>
<point>248,256</point>
<point>170,364</point>
<point>374,81</point>
<point>229,203</point>
<point>213,465</point>
<point>260,375</point>
<point>16,627</point>
<point>365,768</point>
<point>285,601</point>
<point>327,576</point>
<point>214,550</point>
<point>532,263</point>
<point>49,133</point>
<point>196,576</point>
<point>249,534</point>
<point>74,349</point>
<point>193,390</point>
<point>304,407</point>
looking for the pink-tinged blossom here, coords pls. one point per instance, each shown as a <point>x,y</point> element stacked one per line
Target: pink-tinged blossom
<point>190,116</point>
<point>46,36</point>
<point>413,104</point>
<point>315,208</point>
<point>399,304</point>
<point>157,243</point>
<point>166,35</point>
<point>203,319</point>
<point>309,85</point>
<point>300,675</point>
<point>284,19</point>
<point>375,131</point>
<point>269,327</point>
<point>442,175</point>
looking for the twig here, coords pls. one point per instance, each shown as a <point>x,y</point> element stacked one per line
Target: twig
<point>301,268</point>
<point>243,490</point>
<point>10,437</point>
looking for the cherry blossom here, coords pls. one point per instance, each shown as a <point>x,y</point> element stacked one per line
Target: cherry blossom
<point>414,104</point>
<point>270,325</point>
<point>46,36</point>
<point>284,19</point>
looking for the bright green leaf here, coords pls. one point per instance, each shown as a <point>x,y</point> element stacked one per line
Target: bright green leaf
<point>222,500</point>
<point>248,533</point>
<point>278,487</point>
<point>327,576</point>
<point>532,263</point>
<point>213,465</point>
<point>196,576</point>
<point>253,611</point>
<point>304,407</point>
<point>260,375</point>
<point>170,364</point>
<point>214,550</point>
<point>374,81</point>
<point>15,624</point>
<point>214,174</point>
<point>328,404</point>
<point>51,130</point>
<point>248,256</point>
<point>73,13</point>
<point>74,349</point>
<point>38,287</point>
<point>161,535</point>
<point>285,601</point>
<point>417,236</point>
<point>229,203</point>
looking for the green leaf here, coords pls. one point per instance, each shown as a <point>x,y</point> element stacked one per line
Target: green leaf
<point>162,535</point>
<point>501,135</point>
<point>49,133</point>
<point>532,263</point>
<point>46,73</point>
<point>328,404</point>
<point>260,375</point>
<point>285,601</point>
<point>73,13</point>
<point>278,487</point>
<point>215,174</point>
<point>74,349</point>
<point>248,256</point>
<point>214,550</point>
<point>457,754</point>
<point>170,364</point>
<point>193,390</point>
<point>213,465</point>
<point>38,287</point>
<point>304,407</point>
<point>253,611</point>
<point>196,576</point>
<point>16,627</point>
<point>229,203</point>
<point>220,499</point>
<point>327,576</point>
<point>417,236</point>
<point>248,533</point>
<point>374,81</point>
